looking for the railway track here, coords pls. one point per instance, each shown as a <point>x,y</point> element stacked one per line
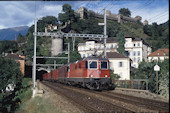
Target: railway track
<point>159,106</point>
<point>86,102</point>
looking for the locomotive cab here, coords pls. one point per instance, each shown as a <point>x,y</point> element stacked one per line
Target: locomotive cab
<point>99,73</point>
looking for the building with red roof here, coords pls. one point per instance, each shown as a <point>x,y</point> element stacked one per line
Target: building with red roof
<point>159,55</point>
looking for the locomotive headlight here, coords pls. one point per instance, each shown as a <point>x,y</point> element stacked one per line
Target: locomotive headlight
<point>106,76</point>
<point>91,75</point>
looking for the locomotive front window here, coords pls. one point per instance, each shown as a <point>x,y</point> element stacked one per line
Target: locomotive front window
<point>93,64</point>
<point>103,65</point>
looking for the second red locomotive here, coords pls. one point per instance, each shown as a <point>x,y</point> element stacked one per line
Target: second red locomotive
<point>92,73</point>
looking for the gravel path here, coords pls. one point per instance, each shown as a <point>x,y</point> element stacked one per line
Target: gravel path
<point>63,104</point>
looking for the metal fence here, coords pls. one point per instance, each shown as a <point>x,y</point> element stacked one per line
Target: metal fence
<point>133,84</point>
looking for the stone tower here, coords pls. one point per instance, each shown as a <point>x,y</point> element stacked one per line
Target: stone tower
<point>145,22</point>
<point>56,46</point>
<point>83,12</point>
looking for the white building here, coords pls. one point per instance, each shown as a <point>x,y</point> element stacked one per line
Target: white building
<point>137,50</point>
<point>120,65</point>
<point>96,47</point>
<point>159,55</point>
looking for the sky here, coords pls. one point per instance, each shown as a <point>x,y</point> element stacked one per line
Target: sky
<point>23,13</point>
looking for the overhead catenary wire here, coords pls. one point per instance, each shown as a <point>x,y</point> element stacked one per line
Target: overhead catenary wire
<point>144,6</point>
<point>158,15</point>
<point>163,17</point>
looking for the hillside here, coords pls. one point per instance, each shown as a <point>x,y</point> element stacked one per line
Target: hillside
<point>157,36</point>
<point>12,33</point>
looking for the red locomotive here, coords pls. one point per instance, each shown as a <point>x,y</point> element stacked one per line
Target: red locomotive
<point>92,73</point>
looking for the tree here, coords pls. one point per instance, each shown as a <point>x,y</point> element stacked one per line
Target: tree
<point>121,41</point>
<point>164,79</point>
<point>9,74</point>
<point>158,35</point>
<point>68,14</point>
<point>112,28</point>
<point>20,38</point>
<point>8,46</point>
<point>146,71</point>
<point>125,12</point>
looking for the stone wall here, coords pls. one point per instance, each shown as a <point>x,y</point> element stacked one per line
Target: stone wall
<point>83,12</point>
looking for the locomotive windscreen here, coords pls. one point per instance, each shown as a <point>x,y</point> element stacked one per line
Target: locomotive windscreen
<point>103,64</point>
<point>93,64</point>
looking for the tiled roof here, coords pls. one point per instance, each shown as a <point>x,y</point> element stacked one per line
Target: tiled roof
<point>160,52</point>
<point>14,56</point>
<point>115,55</point>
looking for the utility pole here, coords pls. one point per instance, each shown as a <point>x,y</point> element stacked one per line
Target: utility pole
<point>157,82</point>
<point>54,64</point>
<point>105,33</point>
<point>68,52</point>
<point>73,39</point>
<point>34,58</point>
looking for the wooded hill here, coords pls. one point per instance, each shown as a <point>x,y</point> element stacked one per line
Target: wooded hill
<point>157,36</point>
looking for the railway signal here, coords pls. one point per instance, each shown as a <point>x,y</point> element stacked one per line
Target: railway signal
<point>156,68</point>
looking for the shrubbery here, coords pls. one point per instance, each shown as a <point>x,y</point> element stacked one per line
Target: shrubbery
<point>11,74</point>
<point>146,71</point>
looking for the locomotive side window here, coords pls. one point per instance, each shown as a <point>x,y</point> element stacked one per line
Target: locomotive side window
<point>104,65</point>
<point>86,64</point>
<point>93,64</point>
<point>79,65</point>
<point>68,69</point>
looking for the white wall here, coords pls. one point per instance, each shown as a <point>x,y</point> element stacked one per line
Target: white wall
<point>156,58</point>
<point>90,48</point>
<point>123,71</point>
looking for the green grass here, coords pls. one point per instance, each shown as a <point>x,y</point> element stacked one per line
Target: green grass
<point>38,105</point>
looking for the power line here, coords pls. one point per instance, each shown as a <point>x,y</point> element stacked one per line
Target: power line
<point>145,5</point>
<point>158,18</point>
<point>158,15</point>
<point>113,5</point>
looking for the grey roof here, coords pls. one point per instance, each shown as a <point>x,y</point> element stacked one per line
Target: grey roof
<point>115,55</point>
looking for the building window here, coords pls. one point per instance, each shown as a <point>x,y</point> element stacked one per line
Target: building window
<point>138,44</point>
<point>134,59</point>
<point>120,64</point>
<point>134,45</point>
<point>138,53</point>
<point>158,53</point>
<point>127,53</point>
<point>138,59</point>
<point>134,53</point>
